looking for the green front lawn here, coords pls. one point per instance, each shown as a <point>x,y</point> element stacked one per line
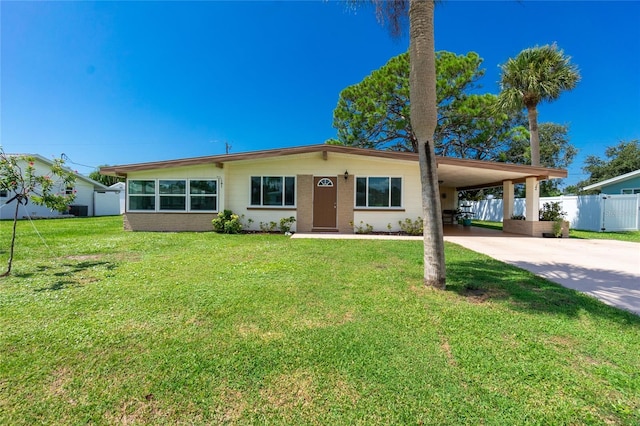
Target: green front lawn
<point>103,326</point>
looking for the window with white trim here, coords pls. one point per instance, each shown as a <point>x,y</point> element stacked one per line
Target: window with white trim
<point>142,195</point>
<point>273,191</point>
<point>379,192</point>
<point>203,195</point>
<point>173,195</point>
<point>628,191</point>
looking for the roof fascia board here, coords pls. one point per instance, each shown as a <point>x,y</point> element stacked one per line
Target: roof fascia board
<point>616,179</point>
<point>393,155</point>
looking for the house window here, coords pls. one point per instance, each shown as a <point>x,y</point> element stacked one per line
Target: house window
<point>4,193</point>
<point>173,195</point>
<point>631,191</point>
<point>177,195</point>
<point>142,195</point>
<point>379,192</point>
<point>273,191</point>
<point>203,195</point>
<point>68,190</point>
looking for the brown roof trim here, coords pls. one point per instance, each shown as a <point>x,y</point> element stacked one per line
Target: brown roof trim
<point>219,160</point>
<point>253,155</point>
<point>540,172</point>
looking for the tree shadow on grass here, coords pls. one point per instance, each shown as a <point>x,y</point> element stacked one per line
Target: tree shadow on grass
<point>58,285</point>
<point>69,277</point>
<point>489,279</point>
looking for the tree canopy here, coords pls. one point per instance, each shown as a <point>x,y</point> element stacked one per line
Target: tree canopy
<point>104,179</point>
<point>556,151</point>
<point>535,75</point>
<point>375,113</point>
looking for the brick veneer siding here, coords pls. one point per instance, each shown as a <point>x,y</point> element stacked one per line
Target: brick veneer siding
<point>168,222</point>
<point>534,229</point>
<point>304,197</point>
<point>345,204</point>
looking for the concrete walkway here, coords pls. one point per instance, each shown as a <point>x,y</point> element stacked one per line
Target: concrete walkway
<point>606,269</point>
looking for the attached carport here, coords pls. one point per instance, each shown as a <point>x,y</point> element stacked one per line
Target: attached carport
<point>465,174</point>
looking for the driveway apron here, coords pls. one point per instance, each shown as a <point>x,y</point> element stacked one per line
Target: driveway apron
<point>606,269</point>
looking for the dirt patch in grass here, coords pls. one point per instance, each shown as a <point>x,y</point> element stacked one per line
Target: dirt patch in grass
<point>148,410</point>
<point>563,341</point>
<point>446,348</point>
<point>476,295</point>
<point>290,391</point>
<point>84,257</point>
<point>482,295</point>
<point>329,320</point>
<point>128,257</point>
<point>118,257</point>
<point>345,391</point>
<point>61,377</point>
<point>252,330</point>
<point>133,412</point>
<point>422,290</point>
<point>232,406</point>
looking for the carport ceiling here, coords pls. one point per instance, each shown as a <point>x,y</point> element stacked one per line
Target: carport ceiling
<point>473,174</point>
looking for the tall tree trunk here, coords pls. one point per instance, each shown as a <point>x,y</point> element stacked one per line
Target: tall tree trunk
<point>424,117</point>
<point>13,240</point>
<point>534,136</point>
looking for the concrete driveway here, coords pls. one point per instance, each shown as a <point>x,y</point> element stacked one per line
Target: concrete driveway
<point>606,269</point>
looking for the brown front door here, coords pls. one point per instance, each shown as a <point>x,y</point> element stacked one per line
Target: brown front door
<point>325,200</point>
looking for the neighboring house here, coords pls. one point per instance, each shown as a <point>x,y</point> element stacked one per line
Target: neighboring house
<point>92,198</point>
<point>628,183</point>
<point>325,187</point>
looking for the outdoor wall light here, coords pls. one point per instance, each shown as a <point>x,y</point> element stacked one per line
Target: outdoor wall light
<point>346,174</point>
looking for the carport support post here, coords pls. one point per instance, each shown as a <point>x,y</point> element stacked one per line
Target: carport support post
<point>507,199</point>
<point>533,199</point>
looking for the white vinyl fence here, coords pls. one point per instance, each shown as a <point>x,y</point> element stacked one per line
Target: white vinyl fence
<point>107,203</point>
<point>588,212</point>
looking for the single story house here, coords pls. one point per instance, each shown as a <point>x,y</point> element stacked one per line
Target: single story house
<point>626,184</point>
<point>92,198</point>
<point>326,188</point>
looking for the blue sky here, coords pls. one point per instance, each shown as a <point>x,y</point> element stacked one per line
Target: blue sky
<point>127,82</point>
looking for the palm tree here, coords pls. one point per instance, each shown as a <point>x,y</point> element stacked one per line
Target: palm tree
<point>424,116</point>
<point>537,74</point>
